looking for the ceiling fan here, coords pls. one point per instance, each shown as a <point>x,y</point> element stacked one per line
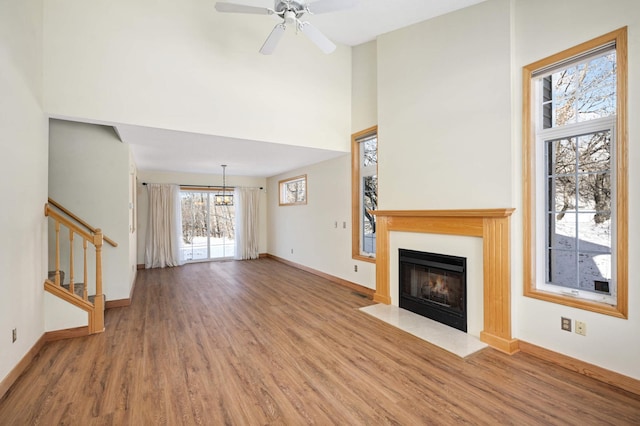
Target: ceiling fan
<point>290,11</point>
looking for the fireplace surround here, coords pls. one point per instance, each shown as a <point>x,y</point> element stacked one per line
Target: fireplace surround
<point>492,225</point>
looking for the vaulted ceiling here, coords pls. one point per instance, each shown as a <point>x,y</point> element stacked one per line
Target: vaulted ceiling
<point>170,150</point>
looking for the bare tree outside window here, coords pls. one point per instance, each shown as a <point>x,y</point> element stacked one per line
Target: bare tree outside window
<point>368,147</point>
<point>296,192</point>
<point>208,228</point>
<point>370,184</point>
<point>577,94</point>
<point>578,170</point>
<point>293,191</point>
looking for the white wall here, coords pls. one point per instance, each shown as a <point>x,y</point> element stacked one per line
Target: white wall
<point>148,176</point>
<point>310,230</point>
<point>183,66</point>
<point>444,104</point>
<point>61,315</point>
<point>364,87</point>
<point>23,180</point>
<point>610,342</point>
<point>89,171</point>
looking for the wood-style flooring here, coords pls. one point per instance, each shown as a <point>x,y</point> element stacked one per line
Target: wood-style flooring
<point>259,342</point>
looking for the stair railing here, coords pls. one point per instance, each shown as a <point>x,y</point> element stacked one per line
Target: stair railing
<point>95,307</point>
<point>79,220</point>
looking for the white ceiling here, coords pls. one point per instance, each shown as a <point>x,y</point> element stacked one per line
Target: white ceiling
<point>172,151</point>
<point>167,150</point>
<point>371,18</point>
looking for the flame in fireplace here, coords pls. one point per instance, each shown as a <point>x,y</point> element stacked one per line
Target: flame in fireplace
<point>438,284</point>
<point>436,289</point>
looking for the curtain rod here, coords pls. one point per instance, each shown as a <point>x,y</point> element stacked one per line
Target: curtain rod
<point>210,186</point>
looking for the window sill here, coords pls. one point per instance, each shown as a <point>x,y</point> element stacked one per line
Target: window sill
<point>364,258</point>
<point>301,203</point>
<point>587,305</point>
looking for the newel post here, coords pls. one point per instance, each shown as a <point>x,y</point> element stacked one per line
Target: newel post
<point>97,317</point>
<point>97,241</point>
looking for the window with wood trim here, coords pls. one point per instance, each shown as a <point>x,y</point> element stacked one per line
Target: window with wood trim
<point>575,176</point>
<point>293,191</point>
<point>364,193</point>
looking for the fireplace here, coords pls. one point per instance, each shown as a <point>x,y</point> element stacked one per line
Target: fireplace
<point>435,286</point>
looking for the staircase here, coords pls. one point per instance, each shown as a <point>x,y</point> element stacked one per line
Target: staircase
<point>81,244</point>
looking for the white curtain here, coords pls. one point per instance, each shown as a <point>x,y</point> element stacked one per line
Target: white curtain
<point>246,204</point>
<point>164,227</point>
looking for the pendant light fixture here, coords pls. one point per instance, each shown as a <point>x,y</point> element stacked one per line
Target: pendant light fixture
<point>224,199</point>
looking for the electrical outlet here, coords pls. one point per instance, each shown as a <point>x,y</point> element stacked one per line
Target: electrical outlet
<point>565,323</point>
<point>291,251</point>
<point>355,268</point>
<point>344,225</point>
<point>14,335</point>
<point>581,328</point>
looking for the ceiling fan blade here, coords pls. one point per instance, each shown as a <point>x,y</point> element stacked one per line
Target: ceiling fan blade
<point>272,41</point>
<point>317,37</point>
<point>324,6</point>
<point>241,8</point>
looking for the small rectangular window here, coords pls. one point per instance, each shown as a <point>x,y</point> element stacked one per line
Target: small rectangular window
<point>293,191</point>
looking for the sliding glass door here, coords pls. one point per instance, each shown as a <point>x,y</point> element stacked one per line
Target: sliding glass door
<point>208,225</point>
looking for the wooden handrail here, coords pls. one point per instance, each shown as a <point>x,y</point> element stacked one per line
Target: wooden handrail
<point>80,221</point>
<point>66,222</point>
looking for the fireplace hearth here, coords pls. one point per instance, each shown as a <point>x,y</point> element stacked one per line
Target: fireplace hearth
<point>435,286</point>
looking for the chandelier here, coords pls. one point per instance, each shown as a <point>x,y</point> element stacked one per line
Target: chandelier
<point>224,199</point>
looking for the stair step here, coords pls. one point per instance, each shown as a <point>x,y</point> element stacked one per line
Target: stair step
<point>78,289</point>
<point>52,276</point>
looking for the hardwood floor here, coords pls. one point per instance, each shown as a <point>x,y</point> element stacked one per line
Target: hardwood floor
<point>259,342</point>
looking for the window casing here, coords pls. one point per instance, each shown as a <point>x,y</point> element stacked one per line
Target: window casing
<point>364,190</point>
<point>575,176</point>
<point>293,191</point>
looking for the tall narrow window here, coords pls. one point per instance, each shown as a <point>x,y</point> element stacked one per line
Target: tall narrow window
<point>575,176</point>
<point>364,182</point>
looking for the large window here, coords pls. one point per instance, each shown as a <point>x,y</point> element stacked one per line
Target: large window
<point>575,171</point>
<point>208,225</point>
<point>364,183</point>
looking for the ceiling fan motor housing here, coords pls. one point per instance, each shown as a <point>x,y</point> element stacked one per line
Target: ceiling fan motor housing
<point>283,7</point>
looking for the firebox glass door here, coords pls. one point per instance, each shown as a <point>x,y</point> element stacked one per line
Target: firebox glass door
<point>434,285</point>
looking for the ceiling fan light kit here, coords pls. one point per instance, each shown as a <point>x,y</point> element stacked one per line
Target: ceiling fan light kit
<point>290,12</point>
